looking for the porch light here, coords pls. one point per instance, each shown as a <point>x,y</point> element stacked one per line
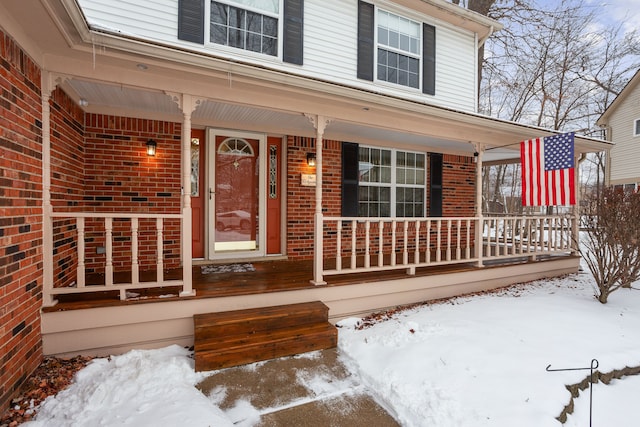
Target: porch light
<point>311,159</point>
<point>151,147</point>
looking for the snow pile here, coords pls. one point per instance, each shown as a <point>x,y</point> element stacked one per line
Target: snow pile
<point>139,388</point>
<point>468,362</point>
<point>481,361</point>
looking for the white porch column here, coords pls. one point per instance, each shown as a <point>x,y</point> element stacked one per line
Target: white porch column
<point>187,104</point>
<point>48,299</point>
<point>319,123</point>
<point>575,230</point>
<point>478,155</point>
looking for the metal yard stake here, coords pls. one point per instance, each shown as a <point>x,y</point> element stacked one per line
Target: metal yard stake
<point>594,365</point>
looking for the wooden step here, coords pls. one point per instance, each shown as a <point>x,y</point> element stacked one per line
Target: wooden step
<point>258,319</point>
<point>233,338</point>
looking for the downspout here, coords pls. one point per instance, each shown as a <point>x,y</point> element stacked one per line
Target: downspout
<point>480,43</point>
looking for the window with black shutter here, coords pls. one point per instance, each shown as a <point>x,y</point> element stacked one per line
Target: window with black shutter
<point>382,182</point>
<point>251,25</point>
<point>395,49</point>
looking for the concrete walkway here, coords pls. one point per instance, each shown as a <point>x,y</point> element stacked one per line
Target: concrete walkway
<point>313,389</point>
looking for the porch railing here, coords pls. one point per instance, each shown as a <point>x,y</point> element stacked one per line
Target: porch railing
<point>353,245</point>
<point>79,285</point>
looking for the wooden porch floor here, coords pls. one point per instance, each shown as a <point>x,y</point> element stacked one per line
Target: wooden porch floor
<point>269,276</point>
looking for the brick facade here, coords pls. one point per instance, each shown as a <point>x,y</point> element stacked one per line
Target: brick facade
<point>20,217</point>
<point>121,177</point>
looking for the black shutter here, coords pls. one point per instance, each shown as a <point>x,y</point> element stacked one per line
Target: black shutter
<point>191,20</point>
<point>428,59</point>
<point>350,178</point>
<point>435,184</point>
<point>366,33</point>
<point>293,31</point>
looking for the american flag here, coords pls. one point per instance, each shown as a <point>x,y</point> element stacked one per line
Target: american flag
<point>548,171</point>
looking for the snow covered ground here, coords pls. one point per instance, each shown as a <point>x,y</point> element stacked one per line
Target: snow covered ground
<point>471,361</point>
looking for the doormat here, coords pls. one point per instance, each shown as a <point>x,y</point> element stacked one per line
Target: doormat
<point>227,268</point>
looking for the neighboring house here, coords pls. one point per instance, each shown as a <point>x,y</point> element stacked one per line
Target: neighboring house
<point>339,134</point>
<point>621,121</point>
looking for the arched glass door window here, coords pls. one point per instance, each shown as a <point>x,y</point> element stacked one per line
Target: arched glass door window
<point>237,146</point>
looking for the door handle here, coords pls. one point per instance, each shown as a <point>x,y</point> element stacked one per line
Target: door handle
<point>211,192</point>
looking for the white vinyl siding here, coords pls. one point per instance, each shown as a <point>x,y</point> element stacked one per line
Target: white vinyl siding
<point>153,19</point>
<point>626,150</point>
<point>330,46</point>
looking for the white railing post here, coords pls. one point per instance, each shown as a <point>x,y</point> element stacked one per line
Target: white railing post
<point>81,264</point>
<point>448,251</point>
<point>108,245</point>
<point>467,248</point>
<point>428,248</point>
<point>417,250</point>
<point>339,246</point>
<point>353,244</point>
<point>458,238</point>
<point>394,225</point>
<point>159,250</point>
<point>380,243</point>
<point>135,267</point>
<point>438,240</point>
<point>367,244</point>
<point>405,252</point>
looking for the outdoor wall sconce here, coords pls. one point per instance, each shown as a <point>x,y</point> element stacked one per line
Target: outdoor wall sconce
<point>151,147</point>
<point>311,159</point>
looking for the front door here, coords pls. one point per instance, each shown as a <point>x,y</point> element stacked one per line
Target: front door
<point>236,182</point>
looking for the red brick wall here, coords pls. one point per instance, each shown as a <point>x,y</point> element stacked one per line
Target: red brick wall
<point>20,217</point>
<point>458,185</point>
<point>121,177</point>
<point>301,201</point>
<point>67,182</point>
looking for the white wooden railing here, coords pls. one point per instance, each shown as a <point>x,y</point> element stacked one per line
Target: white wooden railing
<point>353,245</point>
<point>107,220</point>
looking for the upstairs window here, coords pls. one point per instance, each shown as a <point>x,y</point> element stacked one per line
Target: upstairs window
<point>254,28</point>
<point>395,49</point>
<point>636,128</point>
<point>398,50</point>
<point>269,27</point>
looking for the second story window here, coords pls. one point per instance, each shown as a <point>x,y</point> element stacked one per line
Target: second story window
<point>636,128</point>
<point>253,27</point>
<point>395,49</point>
<point>398,50</point>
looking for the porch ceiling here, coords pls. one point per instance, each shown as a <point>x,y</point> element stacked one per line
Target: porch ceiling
<point>106,98</point>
